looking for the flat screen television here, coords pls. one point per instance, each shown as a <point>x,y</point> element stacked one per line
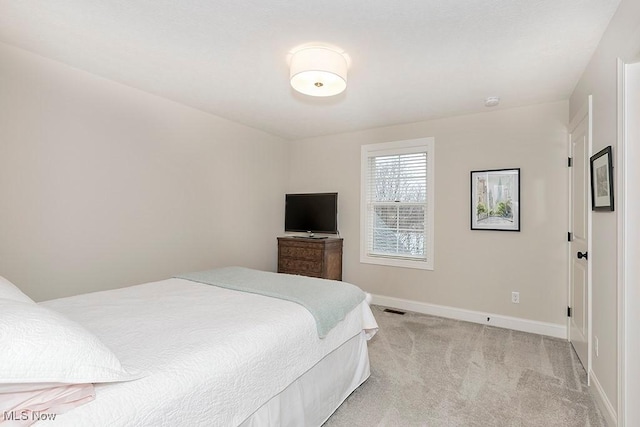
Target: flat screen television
<point>311,212</point>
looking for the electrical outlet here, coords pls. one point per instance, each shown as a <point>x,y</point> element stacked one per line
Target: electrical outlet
<point>595,345</point>
<point>515,297</point>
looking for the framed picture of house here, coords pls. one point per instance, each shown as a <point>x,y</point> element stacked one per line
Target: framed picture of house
<point>602,180</point>
<point>495,199</point>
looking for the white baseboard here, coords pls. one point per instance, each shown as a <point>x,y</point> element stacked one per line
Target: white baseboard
<point>608,411</point>
<point>515,323</point>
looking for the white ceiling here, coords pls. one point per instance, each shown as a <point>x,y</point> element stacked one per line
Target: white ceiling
<point>411,60</point>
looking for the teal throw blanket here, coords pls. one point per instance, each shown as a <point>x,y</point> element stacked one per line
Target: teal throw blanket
<point>328,301</point>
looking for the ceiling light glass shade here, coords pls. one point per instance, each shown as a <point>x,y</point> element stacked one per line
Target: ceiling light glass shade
<point>318,71</point>
<point>492,101</point>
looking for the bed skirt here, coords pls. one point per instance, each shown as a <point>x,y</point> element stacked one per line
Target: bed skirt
<point>314,396</point>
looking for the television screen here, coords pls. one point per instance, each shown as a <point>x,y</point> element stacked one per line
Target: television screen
<point>315,212</point>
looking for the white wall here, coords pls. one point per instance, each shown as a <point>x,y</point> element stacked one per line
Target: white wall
<point>621,40</point>
<point>474,270</point>
<point>103,186</point>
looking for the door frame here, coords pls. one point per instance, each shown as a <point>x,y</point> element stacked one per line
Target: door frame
<point>621,220</point>
<point>585,111</point>
<point>628,251</point>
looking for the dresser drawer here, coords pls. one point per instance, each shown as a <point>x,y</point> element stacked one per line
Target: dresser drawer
<point>301,252</point>
<point>287,265</point>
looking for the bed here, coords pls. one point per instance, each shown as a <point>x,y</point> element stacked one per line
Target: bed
<point>196,354</point>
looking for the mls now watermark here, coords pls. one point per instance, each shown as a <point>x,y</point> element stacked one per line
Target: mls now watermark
<point>28,416</point>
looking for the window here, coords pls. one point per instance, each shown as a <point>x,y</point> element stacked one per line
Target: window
<point>397,203</point>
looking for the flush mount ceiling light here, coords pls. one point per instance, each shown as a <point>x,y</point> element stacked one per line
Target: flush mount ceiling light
<point>318,71</point>
<point>492,101</point>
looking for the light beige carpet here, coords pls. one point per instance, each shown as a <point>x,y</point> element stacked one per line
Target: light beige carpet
<point>431,371</point>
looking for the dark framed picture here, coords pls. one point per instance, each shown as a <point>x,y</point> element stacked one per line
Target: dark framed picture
<point>495,199</point>
<point>602,180</point>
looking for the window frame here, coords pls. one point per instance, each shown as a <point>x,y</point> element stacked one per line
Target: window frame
<point>397,148</point>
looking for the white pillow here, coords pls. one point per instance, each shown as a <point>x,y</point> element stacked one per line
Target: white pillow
<point>10,291</point>
<point>42,346</point>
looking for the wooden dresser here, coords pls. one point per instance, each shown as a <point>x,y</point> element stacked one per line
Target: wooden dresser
<point>310,257</point>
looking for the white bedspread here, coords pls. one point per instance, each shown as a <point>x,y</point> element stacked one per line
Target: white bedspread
<point>213,355</point>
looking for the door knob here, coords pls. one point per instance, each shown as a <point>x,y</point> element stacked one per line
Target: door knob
<point>582,255</point>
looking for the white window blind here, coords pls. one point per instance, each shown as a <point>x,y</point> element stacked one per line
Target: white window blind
<point>396,204</point>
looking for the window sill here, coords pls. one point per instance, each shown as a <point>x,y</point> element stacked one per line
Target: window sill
<point>394,262</point>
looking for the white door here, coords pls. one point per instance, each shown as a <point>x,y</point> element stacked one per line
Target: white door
<point>579,291</point>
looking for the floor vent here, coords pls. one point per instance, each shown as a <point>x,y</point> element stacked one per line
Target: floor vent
<point>389,310</point>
